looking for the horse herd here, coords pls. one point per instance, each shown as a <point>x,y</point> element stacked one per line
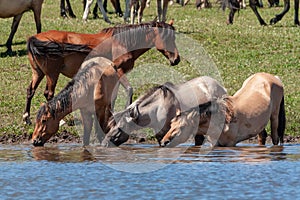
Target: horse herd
<point>97,64</point>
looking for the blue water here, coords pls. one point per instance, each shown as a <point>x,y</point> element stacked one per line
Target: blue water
<point>140,172</point>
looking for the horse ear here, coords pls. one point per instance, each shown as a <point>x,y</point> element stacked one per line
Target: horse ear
<point>171,22</point>
<point>178,112</point>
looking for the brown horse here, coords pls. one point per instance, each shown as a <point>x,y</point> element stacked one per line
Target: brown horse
<point>91,91</point>
<point>16,8</point>
<point>54,52</point>
<point>246,114</point>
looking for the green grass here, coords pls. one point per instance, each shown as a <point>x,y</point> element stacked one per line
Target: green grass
<point>238,51</point>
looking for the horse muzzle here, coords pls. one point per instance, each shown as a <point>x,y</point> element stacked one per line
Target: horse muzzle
<point>38,143</point>
<point>175,61</point>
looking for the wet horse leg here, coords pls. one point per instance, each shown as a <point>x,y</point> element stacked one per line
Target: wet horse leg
<point>14,27</point>
<point>262,136</point>
<point>87,121</point>
<point>37,77</point>
<point>274,128</point>
<point>278,17</point>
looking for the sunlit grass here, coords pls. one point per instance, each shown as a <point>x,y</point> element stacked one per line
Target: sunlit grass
<point>238,50</point>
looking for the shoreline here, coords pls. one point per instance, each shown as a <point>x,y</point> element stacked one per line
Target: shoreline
<point>66,137</point>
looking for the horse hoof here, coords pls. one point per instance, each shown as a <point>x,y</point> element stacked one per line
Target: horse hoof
<point>26,119</point>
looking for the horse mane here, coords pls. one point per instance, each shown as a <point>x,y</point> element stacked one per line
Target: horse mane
<point>78,85</point>
<point>131,35</point>
<point>226,107</point>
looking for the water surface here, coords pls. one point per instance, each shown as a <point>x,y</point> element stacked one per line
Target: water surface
<point>147,172</point>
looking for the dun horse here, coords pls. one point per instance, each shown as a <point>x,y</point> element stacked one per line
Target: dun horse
<point>54,52</point>
<point>234,6</point>
<point>247,113</point>
<point>90,91</point>
<point>159,106</point>
<point>16,8</point>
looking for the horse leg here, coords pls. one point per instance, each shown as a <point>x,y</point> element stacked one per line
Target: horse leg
<point>14,28</point>
<point>62,9</point>
<point>37,17</point>
<point>100,5</point>
<point>133,6</point>
<point>296,15</point>
<point>165,9</point>
<point>87,122</point>
<point>117,6</point>
<point>95,11</point>
<point>37,77</point>
<point>127,11</point>
<point>278,17</point>
<point>125,83</point>
<point>262,136</point>
<point>199,139</point>
<point>159,10</point>
<point>141,10</point>
<point>69,9</point>
<point>253,6</point>
<point>87,9</point>
<point>51,84</point>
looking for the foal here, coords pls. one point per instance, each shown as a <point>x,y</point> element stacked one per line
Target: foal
<point>246,114</point>
<point>91,90</point>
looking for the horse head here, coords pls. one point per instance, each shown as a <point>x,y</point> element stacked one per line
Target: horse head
<point>165,41</point>
<point>151,110</point>
<point>46,125</point>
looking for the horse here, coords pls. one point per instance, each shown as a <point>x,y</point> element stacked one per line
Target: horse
<point>247,113</point>
<point>16,8</point>
<point>88,3</point>
<point>54,52</point>
<point>64,10</point>
<point>90,91</point>
<point>159,106</point>
<point>138,6</point>
<point>234,6</point>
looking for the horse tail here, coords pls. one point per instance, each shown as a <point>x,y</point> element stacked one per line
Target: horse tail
<point>281,121</point>
<point>53,48</point>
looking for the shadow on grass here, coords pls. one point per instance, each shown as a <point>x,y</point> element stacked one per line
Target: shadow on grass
<point>19,53</point>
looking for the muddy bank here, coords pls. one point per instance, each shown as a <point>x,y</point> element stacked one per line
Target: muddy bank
<point>66,137</point>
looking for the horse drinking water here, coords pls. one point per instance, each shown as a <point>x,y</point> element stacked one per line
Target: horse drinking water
<point>247,113</point>
<point>90,91</point>
<point>16,8</point>
<point>54,52</point>
<point>159,106</point>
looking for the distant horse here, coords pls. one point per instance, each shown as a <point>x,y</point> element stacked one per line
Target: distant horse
<point>234,5</point>
<point>91,91</point>
<point>159,106</point>
<point>116,4</point>
<point>66,9</point>
<point>54,52</point>
<point>16,8</point>
<point>247,113</point>
<point>137,8</point>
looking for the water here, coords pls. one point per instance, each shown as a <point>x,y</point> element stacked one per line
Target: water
<point>147,172</point>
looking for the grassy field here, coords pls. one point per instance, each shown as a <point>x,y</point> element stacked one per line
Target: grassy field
<point>238,51</point>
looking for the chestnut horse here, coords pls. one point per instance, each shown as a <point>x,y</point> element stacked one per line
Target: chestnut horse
<point>90,90</point>
<point>16,8</point>
<point>54,52</point>
<point>234,5</point>
<point>247,113</point>
<point>159,106</point>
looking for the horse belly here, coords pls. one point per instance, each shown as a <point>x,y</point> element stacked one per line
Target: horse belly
<point>11,8</point>
<point>72,64</point>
